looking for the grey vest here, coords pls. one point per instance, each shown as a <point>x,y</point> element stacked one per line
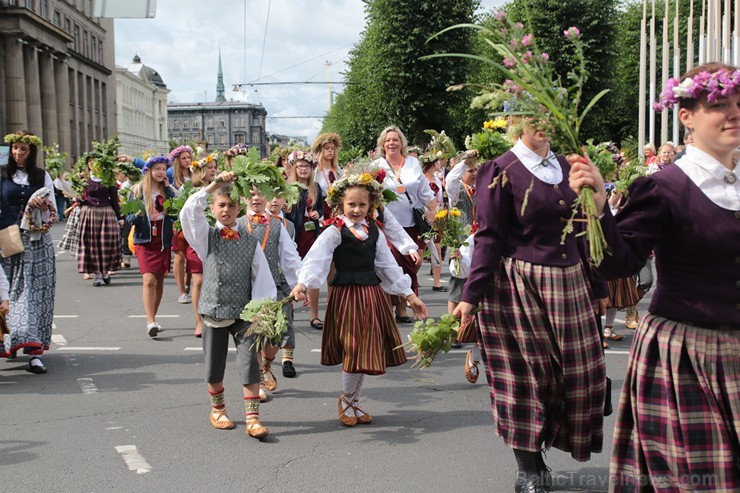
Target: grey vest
<point>465,206</point>
<point>272,247</point>
<point>227,275</point>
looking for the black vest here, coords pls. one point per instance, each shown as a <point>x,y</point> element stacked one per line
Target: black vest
<point>354,260</point>
<point>14,200</point>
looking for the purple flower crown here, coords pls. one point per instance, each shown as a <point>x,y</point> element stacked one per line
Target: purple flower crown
<point>719,84</point>
<point>155,160</point>
<point>237,150</point>
<point>296,156</point>
<point>179,150</point>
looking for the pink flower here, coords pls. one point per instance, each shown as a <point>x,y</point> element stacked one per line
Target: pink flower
<point>500,15</point>
<point>519,25</point>
<point>527,40</point>
<point>545,57</point>
<point>572,33</point>
<point>513,43</point>
<point>509,62</point>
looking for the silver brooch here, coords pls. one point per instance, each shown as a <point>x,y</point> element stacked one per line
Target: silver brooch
<point>730,178</point>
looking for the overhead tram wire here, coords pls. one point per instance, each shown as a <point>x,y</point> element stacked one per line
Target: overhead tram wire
<point>264,42</point>
<point>306,61</point>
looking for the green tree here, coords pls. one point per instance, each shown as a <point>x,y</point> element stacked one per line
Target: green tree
<point>389,84</point>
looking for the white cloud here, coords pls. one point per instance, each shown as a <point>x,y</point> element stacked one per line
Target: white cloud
<point>183,41</point>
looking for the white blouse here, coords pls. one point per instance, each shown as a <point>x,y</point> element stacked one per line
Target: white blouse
<point>316,263</point>
<point>547,170</point>
<point>414,182</point>
<point>709,175</point>
<point>454,183</point>
<point>466,258</point>
<point>322,178</point>
<point>21,178</point>
<point>398,236</point>
<point>290,261</point>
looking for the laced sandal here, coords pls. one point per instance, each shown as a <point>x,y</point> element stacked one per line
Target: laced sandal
<point>267,377</point>
<point>611,335</point>
<point>363,418</point>
<point>255,429</point>
<point>632,318</point>
<point>220,420</point>
<point>343,407</point>
<point>471,368</point>
<point>262,394</point>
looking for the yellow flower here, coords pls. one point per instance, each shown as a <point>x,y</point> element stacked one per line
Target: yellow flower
<point>366,179</point>
<point>454,212</point>
<point>441,214</point>
<point>499,122</point>
<point>487,125</point>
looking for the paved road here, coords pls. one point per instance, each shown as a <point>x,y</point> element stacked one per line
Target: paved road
<point>119,411</point>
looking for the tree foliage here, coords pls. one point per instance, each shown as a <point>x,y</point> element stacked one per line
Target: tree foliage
<point>389,84</point>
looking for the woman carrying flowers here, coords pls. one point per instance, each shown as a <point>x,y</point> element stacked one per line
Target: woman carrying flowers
<point>360,332</point>
<point>152,235</point>
<point>679,412</point>
<point>177,175</point>
<point>32,273</point>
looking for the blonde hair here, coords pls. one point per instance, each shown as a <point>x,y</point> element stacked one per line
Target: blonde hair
<point>310,182</point>
<point>327,138</point>
<point>198,177</point>
<point>143,190</point>
<point>179,176</point>
<point>384,135</point>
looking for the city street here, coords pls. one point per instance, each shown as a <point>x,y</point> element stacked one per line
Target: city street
<point>119,411</point>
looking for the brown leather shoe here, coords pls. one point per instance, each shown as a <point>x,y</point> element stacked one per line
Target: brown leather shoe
<point>263,394</point>
<point>255,429</point>
<point>267,376</point>
<point>470,374</point>
<point>364,418</point>
<point>346,420</point>
<point>220,420</point>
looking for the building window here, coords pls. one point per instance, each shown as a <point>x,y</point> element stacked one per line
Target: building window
<point>221,123</point>
<point>77,38</point>
<point>68,25</point>
<point>256,137</point>
<point>177,124</point>
<point>222,139</point>
<point>239,138</point>
<point>57,19</point>
<point>195,123</point>
<point>44,9</point>
<point>210,123</point>
<point>93,46</point>
<point>185,124</point>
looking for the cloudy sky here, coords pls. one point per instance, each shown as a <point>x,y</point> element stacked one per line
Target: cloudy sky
<point>291,43</point>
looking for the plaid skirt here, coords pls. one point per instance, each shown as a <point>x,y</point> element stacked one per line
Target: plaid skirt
<point>32,276</point>
<point>622,293</point>
<point>99,247</point>
<point>678,424</point>
<point>360,331</point>
<point>71,237</point>
<point>543,358</point>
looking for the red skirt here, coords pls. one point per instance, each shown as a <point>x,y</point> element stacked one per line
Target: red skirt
<point>407,263</point>
<point>193,264</point>
<point>179,243</point>
<point>360,332</point>
<point>306,239</point>
<point>152,258</point>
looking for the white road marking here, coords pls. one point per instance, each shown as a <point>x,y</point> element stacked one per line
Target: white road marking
<point>201,349</point>
<point>87,386</point>
<point>158,316</point>
<point>134,460</point>
<point>87,348</point>
<point>115,428</point>
<point>58,339</point>
<point>615,351</point>
<point>53,327</point>
<point>66,316</point>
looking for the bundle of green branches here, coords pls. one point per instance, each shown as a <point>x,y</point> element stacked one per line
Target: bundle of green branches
<point>54,160</point>
<point>132,206</point>
<point>634,170</point>
<point>268,322</point>
<point>430,337</point>
<point>253,173</point>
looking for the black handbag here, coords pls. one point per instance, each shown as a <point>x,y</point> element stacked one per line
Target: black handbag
<point>420,220</point>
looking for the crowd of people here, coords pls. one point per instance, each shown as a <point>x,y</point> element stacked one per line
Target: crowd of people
<point>540,298</point>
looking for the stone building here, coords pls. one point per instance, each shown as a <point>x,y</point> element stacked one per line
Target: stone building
<point>141,112</point>
<point>57,72</point>
<point>220,124</point>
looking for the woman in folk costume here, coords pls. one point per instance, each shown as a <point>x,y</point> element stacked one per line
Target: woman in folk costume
<point>99,243</point>
<point>360,332</point>
<point>153,235</point>
<point>541,345</point>
<point>678,424</point>
<point>27,199</point>
<point>177,175</point>
<point>326,149</point>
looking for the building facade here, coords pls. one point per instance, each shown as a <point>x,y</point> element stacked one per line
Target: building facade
<point>141,112</point>
<point>57,72</point>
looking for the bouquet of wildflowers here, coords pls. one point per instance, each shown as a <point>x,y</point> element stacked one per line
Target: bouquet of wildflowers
<point>492,141</point>
<point>268,321</point>
<point>429,337</point>
<point>452,233</point>
<point>533,90</point>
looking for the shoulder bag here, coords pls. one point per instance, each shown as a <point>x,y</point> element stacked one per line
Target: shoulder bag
<point>11,242</point>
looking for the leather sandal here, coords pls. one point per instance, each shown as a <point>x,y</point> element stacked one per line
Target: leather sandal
<point>271,382</point>
<point>611,335</point>
<point>364,418</point>
<point>346,406</point>
<point>255,429</point>
<point>220,420</point>
<point>471,371</point>
<point>317,324</point>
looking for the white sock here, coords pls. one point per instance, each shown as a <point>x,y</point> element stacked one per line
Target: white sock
<point>350,384</point>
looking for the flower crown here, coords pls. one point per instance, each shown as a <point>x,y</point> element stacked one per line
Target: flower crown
<point>179,150</point>
<point>155,160</point>
<point>237,150</point>
<point>298,155</point>
<point>31,140</point>
<point>370,179</point>
<point>441,146</point>
<point>719,84</point>
<point>415,149</point>
<point>202,163</point>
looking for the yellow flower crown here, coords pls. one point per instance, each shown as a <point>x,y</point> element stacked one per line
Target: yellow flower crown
<point>31,140</point>
<point>202,163</point>
<point>371,181</point>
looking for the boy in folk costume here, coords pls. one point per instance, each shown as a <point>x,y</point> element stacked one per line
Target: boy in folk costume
<point>235,271</point>
<point>282,256</point>
<point>360,332</point>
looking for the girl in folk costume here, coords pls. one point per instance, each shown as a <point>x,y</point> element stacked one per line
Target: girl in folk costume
<point>202,173</point>
<point>326,149</point>
<point>284,261</point>
<point>177,176</point>
<point>541,345</point>
<point>26,199</point>
<point>360,332</point>
<point>679,412</point>
<point>430,165</point>
<point>153,235</point>
<point>305,216</point>
<point>99,248</point>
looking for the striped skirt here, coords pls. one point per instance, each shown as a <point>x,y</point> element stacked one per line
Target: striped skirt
<point>543,358</point>
<point>71,237</point>
<point>32,277</point>
<point>469,333</point>
<point>678,424</point>
<point>623,293</point>
<point>360,331</point>
<point>99,247</point>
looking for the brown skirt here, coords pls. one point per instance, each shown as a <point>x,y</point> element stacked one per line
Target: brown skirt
<point>622,293</point>
<point>360,332</point>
